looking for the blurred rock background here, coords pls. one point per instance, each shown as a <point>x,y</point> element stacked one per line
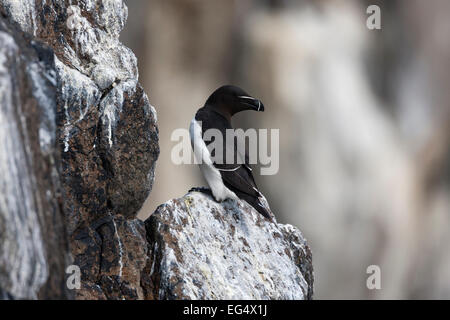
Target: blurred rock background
<point>363,118</point>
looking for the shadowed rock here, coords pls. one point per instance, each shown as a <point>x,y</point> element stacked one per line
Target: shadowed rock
<point>201,249</point>
<point>106,135</point>
<point>33,243</point>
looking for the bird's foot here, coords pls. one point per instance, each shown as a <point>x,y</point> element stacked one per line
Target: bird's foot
<point>202,190</point>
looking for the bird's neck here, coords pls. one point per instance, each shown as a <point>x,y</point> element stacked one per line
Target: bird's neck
<point>222,112</point>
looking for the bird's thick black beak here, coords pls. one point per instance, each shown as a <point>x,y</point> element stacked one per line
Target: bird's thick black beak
<point>252,103</point>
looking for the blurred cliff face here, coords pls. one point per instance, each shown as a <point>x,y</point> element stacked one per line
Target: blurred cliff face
<point>363,118</point>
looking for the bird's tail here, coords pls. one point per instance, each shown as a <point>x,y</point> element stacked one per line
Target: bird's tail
<point>260,204</point>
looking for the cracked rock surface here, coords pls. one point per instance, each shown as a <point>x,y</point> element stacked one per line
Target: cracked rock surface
<point>33,243</point>
<point>106,138</point>
<point>201,249</point>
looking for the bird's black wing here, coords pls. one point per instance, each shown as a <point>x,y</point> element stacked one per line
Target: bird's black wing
<point>237,175</point>
<point>239,179</point>
<point>228,149</point>
<point>241,182</point>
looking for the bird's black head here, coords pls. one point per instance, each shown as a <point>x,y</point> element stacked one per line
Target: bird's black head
<point>232,99</point>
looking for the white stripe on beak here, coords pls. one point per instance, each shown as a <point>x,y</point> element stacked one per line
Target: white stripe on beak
<point>246,97</point>
<point>251,98</point>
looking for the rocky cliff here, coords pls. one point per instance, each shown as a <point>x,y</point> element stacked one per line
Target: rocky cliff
<point>31,215</point>
<point>79,142</point>
<point>201,249</point>
<point>99,128</point>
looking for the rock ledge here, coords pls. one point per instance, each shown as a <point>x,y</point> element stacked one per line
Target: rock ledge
<point>201,249</point>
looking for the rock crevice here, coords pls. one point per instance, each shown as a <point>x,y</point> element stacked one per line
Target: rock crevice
<point>104,134</point>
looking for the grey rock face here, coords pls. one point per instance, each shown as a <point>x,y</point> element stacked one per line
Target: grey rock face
<point>106,135</point>
<point>104,117</point>
<point>201,249</point>
<point>33,243</point>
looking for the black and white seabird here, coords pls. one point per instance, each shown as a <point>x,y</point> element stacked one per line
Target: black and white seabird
<point>227,181</point>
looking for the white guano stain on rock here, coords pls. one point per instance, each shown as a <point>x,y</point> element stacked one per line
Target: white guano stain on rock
<point>38,82</point>
<point>24,13</point>
<point>119,241</point>
<point>79,93</point>
<point>110,59</point>
<point>226,250</point>
<point>111,106</point>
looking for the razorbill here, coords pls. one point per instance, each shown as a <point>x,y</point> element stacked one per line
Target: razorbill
<point>226,180</point>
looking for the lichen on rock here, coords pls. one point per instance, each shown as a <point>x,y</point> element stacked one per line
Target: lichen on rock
<point>201,249</point>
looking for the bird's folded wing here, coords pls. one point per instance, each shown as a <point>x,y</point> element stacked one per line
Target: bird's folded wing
<point>237,174</point>
<point>240,180</point>
<point>231,155</point>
